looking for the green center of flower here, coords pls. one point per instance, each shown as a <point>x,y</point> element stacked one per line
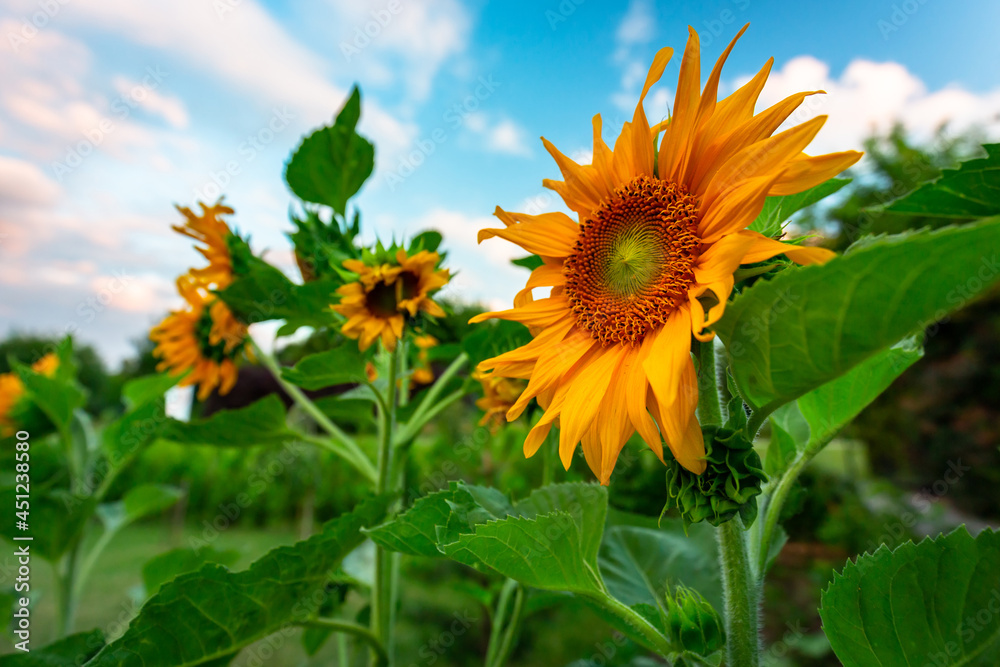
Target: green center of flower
<point>633,261</point>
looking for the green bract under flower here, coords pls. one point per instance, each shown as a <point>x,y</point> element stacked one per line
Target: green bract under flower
<point>729,486</point>
<point>693,623</point>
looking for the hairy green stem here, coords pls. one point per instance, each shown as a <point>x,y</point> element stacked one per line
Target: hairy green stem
<point>498,623</point>
<point>634,619</point>
<point>742,596</point>
<point>709,408</point>
<point>343,444</point>
<point>386,567</point>
<point>776,501</point>
<point>355,630</point>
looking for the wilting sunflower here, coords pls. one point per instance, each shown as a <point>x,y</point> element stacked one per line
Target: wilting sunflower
<point>204,338</point>
<point>499,395</point>
<point>377,304</point>
<point>209,229</point>
<point>662,227</point>
<point>12,389</point>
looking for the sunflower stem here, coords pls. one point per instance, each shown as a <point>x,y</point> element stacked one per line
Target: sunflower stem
<point>344,445</point>
<point>709,406</point>
<point>742,596</point>
<point>386,564</point>
<point>354,630</point>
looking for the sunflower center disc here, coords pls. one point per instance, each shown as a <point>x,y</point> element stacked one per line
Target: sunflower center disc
<point>633,260</point>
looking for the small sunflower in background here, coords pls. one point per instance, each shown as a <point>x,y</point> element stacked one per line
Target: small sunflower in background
<point>12,390</point>
<point>649,263</point>
<point>499,395</point>
<point>390,287</point>
<point>212,231</point>
<point>422,371</point>
<point>203,340</point>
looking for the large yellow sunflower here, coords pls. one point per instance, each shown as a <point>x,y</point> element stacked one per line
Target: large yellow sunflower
<point>204,338</point>
<point>377,303</point>
<point>650,262</point>
<point>12,389</point>
<point>209,229</point>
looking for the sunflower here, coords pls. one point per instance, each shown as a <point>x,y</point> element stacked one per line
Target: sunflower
<point>662,227</point>
<point>12,389</point>
<point>209,229</point>
<point>499,395</point>
<point>422,371</point>
<point>377,304</point>
<point>204,338</point>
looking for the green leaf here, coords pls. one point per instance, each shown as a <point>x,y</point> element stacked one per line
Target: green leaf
<point>260,423</point>
<point>777,210</point>
<point>642,564</point>
<point>147,389</point>
<point>57,519</point>
<point>72,650</point>
<point>212,613</point>
<point>545,552</point>
<point>809,325</point>
<point>531,262</point>
<point>332,163</point>
<point>126,436</point>
<point>549,540</point>
<point>971,191</point>
<point>341,365</point>
<point>138,502</point>
<point>171,564</point>
<point>263,293</point>
<point>56,396</point>
<point>933,603</point>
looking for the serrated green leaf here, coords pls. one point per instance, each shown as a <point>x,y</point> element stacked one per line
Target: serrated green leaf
<point>260,423</point>
<point>171,564</point>
<point>640,565</point>
<point>415,531</point>
<point>332,163</point>
<point>341,365</point>
<point>210,614</point>
<point>72,650</point>
<point>810,325</point>
<point>544,552</point>
<point>971,191</point>
<point>934,603</point>
<point>586,503</point>
<point>778,210</point>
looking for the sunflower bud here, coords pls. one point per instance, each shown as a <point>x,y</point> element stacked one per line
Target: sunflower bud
<point>729,485</point>
<point>693,623</point>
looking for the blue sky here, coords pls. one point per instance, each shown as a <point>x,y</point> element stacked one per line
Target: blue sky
<point>111,111</point>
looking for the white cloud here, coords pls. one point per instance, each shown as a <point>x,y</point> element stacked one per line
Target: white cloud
<point>168,107</point>
<point>499,134</point>
<point>243,45</point>
<point>401,42</point>
<point>639,24</point>
<point>868,97</point>
<point>508,137</point>
<point>23,183</point>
